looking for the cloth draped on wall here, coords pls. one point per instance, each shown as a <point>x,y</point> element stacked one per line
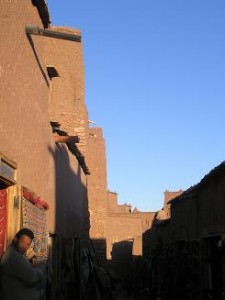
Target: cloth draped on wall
<point>34,217</point>
<point>3,219</point>
<point>63,268</point>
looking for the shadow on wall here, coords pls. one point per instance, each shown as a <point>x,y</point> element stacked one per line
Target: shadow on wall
<point>37,59</point>
<point>99,246</point>
<point>121,258</point>
<point>70,195</point>
<point>127,267</point>
<point>122,251</point>
<point>71,226</point>
<point>149,237</point>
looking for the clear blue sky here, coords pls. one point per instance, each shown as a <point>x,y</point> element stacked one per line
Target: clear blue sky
<point>155,83</point>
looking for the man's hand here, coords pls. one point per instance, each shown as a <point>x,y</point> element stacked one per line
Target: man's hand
<point>30,254</point>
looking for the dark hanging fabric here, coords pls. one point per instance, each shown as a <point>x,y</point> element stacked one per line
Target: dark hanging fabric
<point>75,273</point>
<point>70,272</point>
<point>63,269</point>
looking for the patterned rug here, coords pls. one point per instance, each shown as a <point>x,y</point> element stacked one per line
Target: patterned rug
<point>34,218</point>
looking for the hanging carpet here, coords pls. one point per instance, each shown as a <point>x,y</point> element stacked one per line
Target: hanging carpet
<point>3,219</point>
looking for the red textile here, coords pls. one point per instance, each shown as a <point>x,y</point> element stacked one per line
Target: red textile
<point>3,220</point>
<point>34,199</point>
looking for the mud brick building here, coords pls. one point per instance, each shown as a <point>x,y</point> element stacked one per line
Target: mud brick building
<point>42,170</point>
<point>25,132</point>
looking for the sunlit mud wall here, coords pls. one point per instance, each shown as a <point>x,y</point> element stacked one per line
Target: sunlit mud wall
<point>67,107</point>
<point>25,132</point>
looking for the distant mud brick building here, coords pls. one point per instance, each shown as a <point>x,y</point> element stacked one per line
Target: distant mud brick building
<point>187,251</point>
<point>115,230</point>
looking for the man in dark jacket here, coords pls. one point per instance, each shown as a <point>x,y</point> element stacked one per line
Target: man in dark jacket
<point>20,279</point>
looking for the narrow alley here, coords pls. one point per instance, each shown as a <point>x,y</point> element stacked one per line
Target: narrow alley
<point>53,183</point>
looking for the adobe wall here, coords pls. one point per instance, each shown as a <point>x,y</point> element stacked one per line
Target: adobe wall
<point>120,228</point>
<point>124,208</point>
<point>205,204</point>
<point>70,194</point>
<point>66,103</point>
<point>28,101</point>
<point>25,132</point>
<point>147,219</point>
<point>124,225</point>
<point>67,107</point>
<point>97,183</point>
<point>169,195</point>
<point>112,200</point>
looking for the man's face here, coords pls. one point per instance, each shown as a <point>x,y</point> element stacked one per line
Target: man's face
<point>23,244</point>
